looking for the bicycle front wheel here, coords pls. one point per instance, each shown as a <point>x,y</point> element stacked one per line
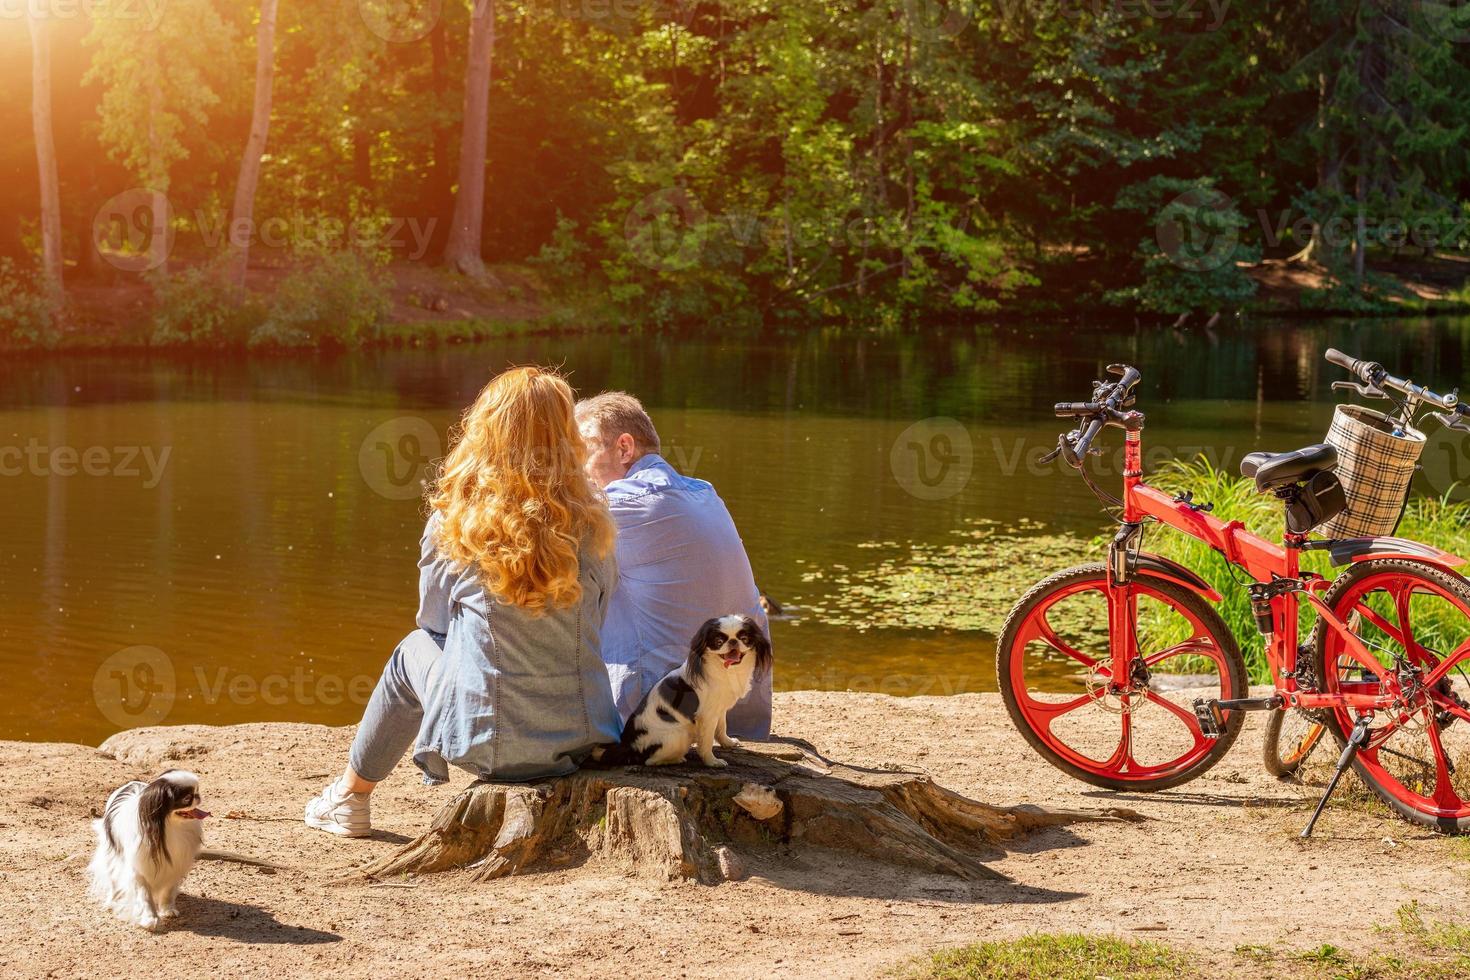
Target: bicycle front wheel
<point>1415,620</point>
<point>1054,662</point>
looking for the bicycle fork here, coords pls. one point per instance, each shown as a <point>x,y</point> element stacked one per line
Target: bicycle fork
<point>1356,742</point>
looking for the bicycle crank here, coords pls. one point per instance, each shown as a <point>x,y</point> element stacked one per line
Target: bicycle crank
<point>1211,712</point>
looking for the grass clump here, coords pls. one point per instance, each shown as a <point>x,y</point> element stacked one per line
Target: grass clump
<point>1063,956</point>
<point>1440,951</point>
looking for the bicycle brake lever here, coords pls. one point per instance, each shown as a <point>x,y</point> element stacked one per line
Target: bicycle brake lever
<point>1455,422</point>
<point>1365,390</point>
<point>1050,456</point>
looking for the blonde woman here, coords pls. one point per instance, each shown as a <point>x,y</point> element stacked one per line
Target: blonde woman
<point>504,676</point>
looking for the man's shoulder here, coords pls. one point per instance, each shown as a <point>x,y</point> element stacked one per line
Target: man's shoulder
<point>654,481</point>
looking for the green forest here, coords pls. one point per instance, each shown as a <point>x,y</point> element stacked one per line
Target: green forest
<point>296,172</point>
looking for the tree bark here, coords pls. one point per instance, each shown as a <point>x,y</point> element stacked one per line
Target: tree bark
<point>437,199</point>
<point>158,243</point>
<point>52,266</point>
<point>462,251</point>
<point>699,823</point>
<point>242,217</point>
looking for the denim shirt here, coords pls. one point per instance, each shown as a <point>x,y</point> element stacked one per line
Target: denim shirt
<point>514,696</point>
<point>680,562</point>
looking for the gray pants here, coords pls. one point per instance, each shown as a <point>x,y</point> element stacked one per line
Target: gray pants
<point>394,712</point>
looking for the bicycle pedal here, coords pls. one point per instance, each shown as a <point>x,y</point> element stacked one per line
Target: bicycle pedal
<point>1211,718</point>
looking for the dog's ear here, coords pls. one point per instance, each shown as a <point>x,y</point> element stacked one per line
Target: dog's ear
<point>155,803</point>
<point>698,647</point>
<point>762,646</point>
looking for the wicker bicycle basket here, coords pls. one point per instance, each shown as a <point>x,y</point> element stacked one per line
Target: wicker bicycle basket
<point>1375,467</point>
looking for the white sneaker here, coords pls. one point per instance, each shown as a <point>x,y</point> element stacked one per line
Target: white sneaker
<point>342,813</point>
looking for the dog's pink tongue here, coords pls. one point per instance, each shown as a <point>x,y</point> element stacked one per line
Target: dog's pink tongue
<point>194,814</point>
<point>730,661</point>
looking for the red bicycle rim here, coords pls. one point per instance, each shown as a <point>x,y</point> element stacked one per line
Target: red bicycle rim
<point>1113,743</point>
<point>1409,740</point>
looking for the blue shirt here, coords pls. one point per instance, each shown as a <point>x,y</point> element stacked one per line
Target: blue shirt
<point>680,562</point>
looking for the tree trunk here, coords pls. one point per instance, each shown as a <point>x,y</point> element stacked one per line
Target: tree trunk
<point>242,218</point>
<point>437,200</point>
<point>463,248</point>
<point>51,259</point>
<point>703,824</point>
<point>158,243</point>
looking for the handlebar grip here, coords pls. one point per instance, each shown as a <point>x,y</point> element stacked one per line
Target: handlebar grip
<point>1073,409</point>
<point>1080,447</point>
<point>1363,369</point>
<point>1128,376</point>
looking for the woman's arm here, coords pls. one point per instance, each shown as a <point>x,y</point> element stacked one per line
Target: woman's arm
<point>436,581</point>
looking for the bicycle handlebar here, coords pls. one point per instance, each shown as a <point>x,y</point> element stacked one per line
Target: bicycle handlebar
<point>1106,408</point>
<point>1374,375</point>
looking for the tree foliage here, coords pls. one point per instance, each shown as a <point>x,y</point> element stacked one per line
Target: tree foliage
<point>758,161</point>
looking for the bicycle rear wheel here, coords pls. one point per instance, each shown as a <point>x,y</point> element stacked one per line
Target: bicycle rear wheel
<point>1415,619</point>
<point>1291,738</point>
<point>1054,659</point>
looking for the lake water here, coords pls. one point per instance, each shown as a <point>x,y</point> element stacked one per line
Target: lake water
<point>226,539</point>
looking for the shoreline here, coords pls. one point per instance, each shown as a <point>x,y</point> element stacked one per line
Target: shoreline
<point>430,307</point>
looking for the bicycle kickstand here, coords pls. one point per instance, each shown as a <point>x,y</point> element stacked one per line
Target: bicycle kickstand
<point>1355,743</point>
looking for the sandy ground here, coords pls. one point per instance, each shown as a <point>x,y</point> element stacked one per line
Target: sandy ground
<point>1217,865</point>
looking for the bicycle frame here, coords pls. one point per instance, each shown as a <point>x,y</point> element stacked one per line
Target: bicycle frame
<point>1277,566</point>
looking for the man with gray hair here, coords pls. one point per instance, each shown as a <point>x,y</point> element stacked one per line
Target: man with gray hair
<point>680,559</point>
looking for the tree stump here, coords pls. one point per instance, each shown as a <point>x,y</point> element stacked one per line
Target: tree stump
<point>693,822</point>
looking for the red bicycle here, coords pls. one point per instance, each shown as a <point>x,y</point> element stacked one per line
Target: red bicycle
<point>1123,674</point>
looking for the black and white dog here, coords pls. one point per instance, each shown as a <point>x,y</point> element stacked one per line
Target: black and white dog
<point>148,839</point>
<point>687,708</point>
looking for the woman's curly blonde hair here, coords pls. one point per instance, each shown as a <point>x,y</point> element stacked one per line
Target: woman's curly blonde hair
<point>512,496</point>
